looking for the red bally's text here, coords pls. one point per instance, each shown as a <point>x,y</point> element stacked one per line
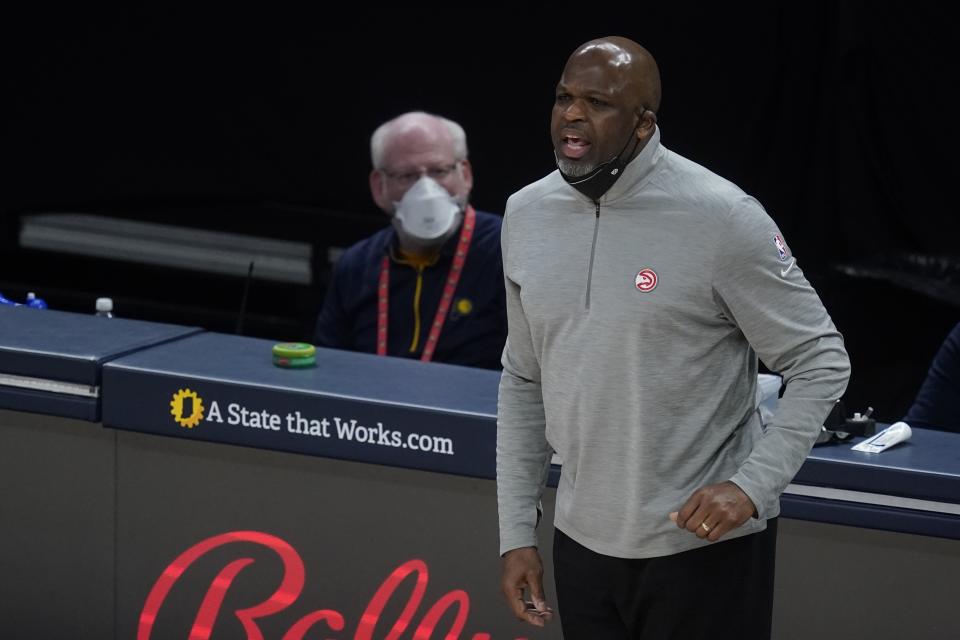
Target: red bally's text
<point>289,589</point>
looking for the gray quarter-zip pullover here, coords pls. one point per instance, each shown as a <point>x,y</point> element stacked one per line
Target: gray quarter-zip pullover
<point>634,330</point>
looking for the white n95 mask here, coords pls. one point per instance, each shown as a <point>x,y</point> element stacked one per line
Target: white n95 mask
<point>426,215</point>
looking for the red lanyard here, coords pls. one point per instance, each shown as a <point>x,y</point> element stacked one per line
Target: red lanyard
<point>383,292</point>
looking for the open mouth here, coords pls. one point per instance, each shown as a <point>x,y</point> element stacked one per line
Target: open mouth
<point>574,147</point>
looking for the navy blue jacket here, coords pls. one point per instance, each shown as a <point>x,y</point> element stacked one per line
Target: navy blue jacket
<point>937,405</point>
<point>476,326</point>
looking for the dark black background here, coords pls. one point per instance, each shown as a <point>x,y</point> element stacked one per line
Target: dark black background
<point>836,116</point>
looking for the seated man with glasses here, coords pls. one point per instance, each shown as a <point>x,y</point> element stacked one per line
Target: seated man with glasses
<point>430,285</point>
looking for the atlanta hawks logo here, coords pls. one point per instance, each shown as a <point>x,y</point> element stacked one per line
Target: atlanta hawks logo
<point>646,280</point>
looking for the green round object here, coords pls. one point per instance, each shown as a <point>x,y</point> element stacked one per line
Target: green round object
<point>294,350</point>
<point>294,363</point>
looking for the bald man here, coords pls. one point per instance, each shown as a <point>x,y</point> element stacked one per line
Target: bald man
<point>641,288</point>
<point>439,260</point>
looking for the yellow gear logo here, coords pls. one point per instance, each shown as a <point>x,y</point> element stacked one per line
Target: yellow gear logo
<point>186,408</point>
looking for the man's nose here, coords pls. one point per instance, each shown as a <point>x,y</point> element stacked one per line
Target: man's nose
<point>574,111</point>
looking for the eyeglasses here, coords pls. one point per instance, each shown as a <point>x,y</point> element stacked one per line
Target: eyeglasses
<point>409,177</point>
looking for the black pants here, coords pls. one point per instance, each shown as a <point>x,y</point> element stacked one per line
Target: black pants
<point>724,590</point>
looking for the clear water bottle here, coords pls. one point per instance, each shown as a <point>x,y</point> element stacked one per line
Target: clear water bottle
<point>105,307</point>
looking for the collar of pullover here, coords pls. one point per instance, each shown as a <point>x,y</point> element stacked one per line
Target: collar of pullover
<point>635,171</point>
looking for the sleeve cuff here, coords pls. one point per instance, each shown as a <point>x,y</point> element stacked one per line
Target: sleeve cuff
<point>765,511</point>
<point>517,540</point>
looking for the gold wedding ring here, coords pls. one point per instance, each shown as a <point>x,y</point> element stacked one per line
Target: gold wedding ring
<point>704,526</point>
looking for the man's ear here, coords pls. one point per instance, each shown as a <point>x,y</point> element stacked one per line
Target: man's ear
<point>466,170</point>
<point>377,189</point>
<point>647,124</point>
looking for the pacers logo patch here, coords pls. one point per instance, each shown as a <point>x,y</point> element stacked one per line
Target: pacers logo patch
<point>646,280</point>
<point>461,307</point>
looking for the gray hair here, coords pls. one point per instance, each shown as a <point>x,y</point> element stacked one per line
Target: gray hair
<point>378,141</point>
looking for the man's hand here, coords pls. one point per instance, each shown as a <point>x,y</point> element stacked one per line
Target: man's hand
<point>522,569</point>
<point>714,510</point>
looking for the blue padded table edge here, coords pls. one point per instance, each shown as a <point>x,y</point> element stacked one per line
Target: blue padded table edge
<point>72,347</point>
<point>922,468</point>
<point>364,377</point>
<point>870,516</point>
<point>54,404</point>
<point>224,388</point>
<point>926,467</point>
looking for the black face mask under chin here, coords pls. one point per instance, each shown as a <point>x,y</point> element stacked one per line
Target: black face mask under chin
<point>598,182</point>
